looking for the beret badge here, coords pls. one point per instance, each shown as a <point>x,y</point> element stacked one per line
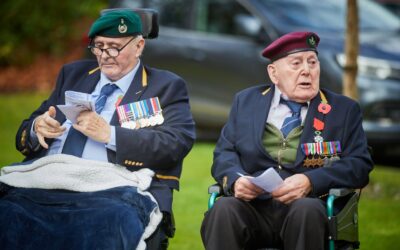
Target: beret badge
<point>312,41</point>
<point>122,28</point>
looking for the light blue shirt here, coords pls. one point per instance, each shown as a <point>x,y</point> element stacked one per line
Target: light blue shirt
<point>94,150</point>
<point>278,111</point>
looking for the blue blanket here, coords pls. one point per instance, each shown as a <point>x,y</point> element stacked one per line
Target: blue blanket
<point>34,218</point>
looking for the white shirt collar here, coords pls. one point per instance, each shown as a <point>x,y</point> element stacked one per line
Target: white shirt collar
<point>276,98</point>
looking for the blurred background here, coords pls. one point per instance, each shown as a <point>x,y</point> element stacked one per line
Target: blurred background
<point>215,46</point>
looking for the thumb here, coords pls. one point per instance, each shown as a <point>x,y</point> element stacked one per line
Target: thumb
<point>52,112</point>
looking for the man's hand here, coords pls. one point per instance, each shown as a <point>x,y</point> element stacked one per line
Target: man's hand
<point>93,126</point>
<point>246,190</point>
<point>293,188</point>
<point>47,127</point>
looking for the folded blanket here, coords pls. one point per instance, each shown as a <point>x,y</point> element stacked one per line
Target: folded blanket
<point>68,172</point>
<point>65,202</point>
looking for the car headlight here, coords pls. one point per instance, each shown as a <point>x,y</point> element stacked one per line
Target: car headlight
<point>372,67</point>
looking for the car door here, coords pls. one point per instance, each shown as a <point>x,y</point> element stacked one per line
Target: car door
<point>215,49</point>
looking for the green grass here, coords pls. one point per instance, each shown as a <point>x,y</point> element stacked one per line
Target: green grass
<point>15,108</point>
<point>378,211</point>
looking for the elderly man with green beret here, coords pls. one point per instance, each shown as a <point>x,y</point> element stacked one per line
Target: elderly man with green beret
<point>139,119</point>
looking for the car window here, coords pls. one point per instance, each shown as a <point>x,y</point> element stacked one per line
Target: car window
<point>172,13</point>
<point>330,14</point>
<point>177,13</point>
<point>225,17</point>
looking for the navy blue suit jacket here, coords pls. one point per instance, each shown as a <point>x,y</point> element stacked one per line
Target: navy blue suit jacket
<point>240,148</point>
<point>160,148</point>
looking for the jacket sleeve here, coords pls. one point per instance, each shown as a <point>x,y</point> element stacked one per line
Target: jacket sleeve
<point>165,145</point>
<point>23,141</point>
<point>353,168</point>
<point>226,164</point>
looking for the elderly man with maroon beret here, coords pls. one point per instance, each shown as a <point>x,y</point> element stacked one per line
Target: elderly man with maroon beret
<point>311,137</point>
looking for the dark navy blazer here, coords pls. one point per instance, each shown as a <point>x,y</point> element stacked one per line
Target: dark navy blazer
<point>240,148</point>
<point>160,148</point>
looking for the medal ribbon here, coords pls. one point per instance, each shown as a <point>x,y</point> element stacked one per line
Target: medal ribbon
<point>321,148</point>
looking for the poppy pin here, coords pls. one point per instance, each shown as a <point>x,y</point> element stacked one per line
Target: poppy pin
<point>324,108</point>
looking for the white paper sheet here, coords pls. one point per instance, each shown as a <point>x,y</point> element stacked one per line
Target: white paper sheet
<point>269,180</point>
<point>75,103</point>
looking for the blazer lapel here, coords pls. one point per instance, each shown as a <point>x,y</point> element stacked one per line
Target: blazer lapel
<point>263,104</point>
<point>88,84</point>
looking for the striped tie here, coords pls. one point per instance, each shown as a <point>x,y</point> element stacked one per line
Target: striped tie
<point>75,142</point>
<point>106,90</point>
<point>293,121</point>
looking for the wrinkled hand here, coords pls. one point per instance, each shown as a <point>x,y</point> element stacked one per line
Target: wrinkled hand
<point>93,126</point>
<point>246,190</point>
<point>47,127</point>
<point>294,187</point>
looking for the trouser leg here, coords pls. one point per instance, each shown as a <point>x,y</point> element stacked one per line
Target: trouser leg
<point>305,226</point>
<point>236,224</point>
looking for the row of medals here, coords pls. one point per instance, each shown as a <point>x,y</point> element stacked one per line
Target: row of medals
<point>316,161</point>
<point>153,120</point>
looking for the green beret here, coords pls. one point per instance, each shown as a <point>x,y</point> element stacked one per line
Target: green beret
<point>116,23</point>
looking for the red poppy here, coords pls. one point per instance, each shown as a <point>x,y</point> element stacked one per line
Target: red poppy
<point>324,108</point>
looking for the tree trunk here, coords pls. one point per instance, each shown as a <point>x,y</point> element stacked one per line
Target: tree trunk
<point>351,45</point>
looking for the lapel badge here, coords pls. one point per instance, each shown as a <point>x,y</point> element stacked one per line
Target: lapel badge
<point>122,28</point>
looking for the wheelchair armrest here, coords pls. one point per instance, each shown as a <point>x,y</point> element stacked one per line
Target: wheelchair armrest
<point>340,192</point>
<point>336,193</point>
<point>215,188</point>
<point>215,191</point>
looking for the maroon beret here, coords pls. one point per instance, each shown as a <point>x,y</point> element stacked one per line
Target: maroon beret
<point>291,43</point>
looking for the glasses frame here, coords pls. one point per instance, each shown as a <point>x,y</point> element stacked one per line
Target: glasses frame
<point>93,48</point>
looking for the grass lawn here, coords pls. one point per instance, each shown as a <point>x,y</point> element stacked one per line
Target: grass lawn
<point>378,211</point>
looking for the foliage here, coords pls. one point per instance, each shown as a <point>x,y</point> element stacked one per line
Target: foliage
<point>378,210</point>
<point>30,28</point>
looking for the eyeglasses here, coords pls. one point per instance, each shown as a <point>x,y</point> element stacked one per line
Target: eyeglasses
<point>112,52</point>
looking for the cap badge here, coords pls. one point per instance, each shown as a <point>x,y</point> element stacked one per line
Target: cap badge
<point>122,28</point>
<point>311,41</point>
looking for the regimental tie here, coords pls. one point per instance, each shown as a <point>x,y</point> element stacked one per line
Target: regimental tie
<point>293,121</point>
<point>75,142</point>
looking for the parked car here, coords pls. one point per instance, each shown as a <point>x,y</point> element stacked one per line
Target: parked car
<point>392,5</point>
<point>216,46</point>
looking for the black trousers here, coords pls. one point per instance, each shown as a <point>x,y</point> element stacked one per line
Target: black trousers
<point>236,224</point>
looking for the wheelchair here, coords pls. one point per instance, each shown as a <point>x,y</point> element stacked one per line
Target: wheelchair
<point>343,224</point>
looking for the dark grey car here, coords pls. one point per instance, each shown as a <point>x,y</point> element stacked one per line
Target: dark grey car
<point>215,45</point>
